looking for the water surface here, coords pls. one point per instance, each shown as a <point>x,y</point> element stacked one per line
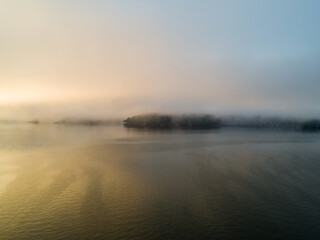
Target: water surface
<point>80,182</point>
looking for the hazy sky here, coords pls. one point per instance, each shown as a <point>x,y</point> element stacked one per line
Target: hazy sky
<point>64,58</point>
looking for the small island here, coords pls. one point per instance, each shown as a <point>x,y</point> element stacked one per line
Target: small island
<point>34,121</point>
<point>311,126</point>
<point>162,121</point>
<point>207,121</point>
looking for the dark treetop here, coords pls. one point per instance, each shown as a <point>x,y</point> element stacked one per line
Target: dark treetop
<point>157,121</point>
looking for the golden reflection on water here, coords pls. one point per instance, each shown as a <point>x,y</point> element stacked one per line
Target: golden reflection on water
<point>79,186</point>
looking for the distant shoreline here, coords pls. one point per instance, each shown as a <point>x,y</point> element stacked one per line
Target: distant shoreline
<point>191,122</point>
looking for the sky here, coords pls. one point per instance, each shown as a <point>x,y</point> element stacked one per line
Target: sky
<point>107,59</point>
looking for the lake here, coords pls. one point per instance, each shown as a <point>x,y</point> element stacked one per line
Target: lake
<point>108,182</point>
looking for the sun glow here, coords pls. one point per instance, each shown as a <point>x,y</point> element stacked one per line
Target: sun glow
<point>32,95</point>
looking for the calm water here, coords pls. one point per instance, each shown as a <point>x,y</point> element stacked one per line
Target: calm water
<point>78,182</point>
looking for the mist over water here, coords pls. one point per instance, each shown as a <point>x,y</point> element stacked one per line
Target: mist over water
<point>72,72</point>
<point>116,59</point>
<point>80,182</point>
